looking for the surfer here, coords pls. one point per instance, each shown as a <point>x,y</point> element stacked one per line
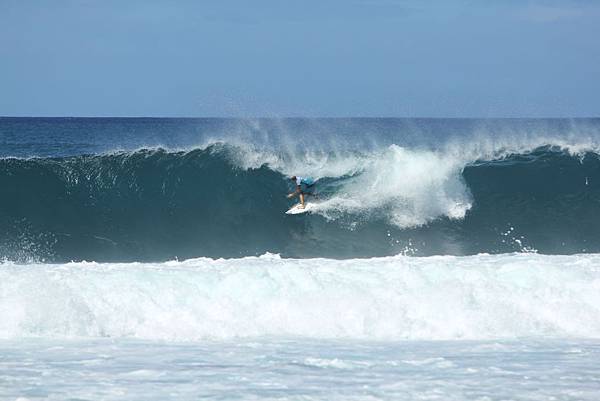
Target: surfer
<point>304,186</point>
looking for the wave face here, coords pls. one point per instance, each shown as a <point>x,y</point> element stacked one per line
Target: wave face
<point>113,190</point>
<point>225,201</point>
<point>400,297</point>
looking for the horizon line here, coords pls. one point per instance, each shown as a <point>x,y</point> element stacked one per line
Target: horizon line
<point>308,117</point>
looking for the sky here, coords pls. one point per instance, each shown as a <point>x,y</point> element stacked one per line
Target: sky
<point>279,58</point>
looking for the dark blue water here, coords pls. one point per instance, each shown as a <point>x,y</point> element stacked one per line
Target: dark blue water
<point>158,189</point>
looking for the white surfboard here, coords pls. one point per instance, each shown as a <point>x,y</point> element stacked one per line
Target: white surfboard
<point>297,209</point>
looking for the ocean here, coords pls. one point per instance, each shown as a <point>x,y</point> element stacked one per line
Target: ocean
<point>445,259</point>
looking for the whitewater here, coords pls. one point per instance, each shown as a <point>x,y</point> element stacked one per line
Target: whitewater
<point>150,259</point>
<point>488,327</point>
<point>393,298</point>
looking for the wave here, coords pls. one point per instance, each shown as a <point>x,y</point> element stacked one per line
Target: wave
<point>227,200</point>
<point>441,297</point>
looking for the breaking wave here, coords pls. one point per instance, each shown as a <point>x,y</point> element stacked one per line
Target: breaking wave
<point>399,297</point>
<point>227,200</point>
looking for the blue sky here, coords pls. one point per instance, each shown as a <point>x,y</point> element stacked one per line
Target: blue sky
<point>300,58</point>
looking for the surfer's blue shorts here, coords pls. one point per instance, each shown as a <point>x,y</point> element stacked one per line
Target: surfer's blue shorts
<point>304,187</point>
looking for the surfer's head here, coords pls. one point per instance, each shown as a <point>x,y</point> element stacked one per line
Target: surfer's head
<point>293,178</point>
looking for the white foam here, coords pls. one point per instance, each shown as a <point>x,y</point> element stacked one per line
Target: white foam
<point>443,297</point>
<point>409,188</point>
<point>405,186</point>
<point>299,369</point>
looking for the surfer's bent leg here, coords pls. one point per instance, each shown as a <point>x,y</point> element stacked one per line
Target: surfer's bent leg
<point>302,199</point>
<point>308,191</point>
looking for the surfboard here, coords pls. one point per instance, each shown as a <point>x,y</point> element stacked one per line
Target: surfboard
<point>296,209</point>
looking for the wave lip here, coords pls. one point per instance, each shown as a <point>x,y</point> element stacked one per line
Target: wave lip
<point>441,297</point>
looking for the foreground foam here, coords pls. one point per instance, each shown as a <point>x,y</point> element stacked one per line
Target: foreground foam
<point>444,297</point>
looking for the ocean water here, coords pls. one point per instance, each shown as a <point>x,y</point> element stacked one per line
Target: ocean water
<point>293,369</point>
<point>444,260</point>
